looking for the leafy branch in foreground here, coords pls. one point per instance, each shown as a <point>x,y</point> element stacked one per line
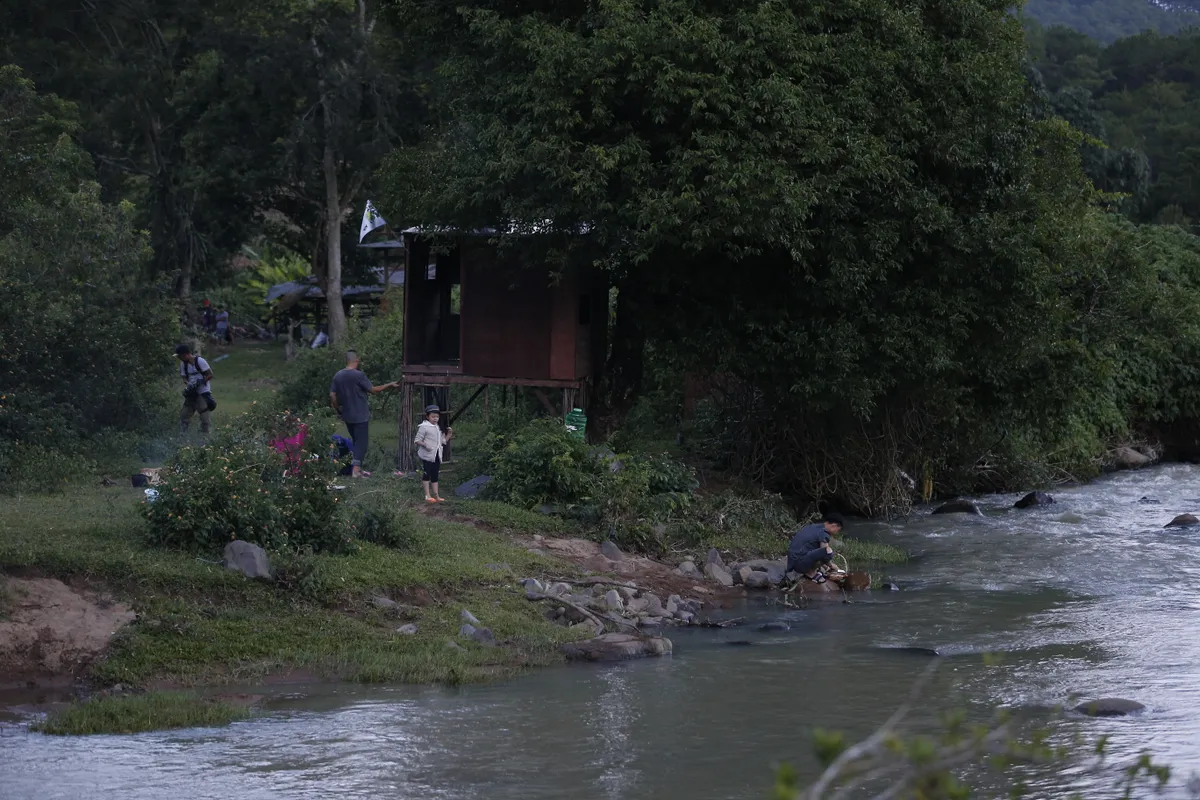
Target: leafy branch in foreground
<point>889,764</point>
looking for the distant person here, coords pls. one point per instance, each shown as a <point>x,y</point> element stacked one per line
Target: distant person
<point>321,340</point>
<point>208,317</point>
<point>429,441</point>
<point>810,553</point>
<point>197,390</point>
<point>348,396</point>
<point>224,332</point>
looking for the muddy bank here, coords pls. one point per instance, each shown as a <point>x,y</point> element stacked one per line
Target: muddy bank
<point>51,633</point>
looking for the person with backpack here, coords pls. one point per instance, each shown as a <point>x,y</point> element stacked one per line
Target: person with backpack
<point>197,390</point>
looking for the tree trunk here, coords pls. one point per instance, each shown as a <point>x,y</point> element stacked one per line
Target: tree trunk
<point>333,241</point>
<point>621,381</point>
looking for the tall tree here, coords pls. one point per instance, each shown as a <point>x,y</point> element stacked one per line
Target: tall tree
<point>359,105</point>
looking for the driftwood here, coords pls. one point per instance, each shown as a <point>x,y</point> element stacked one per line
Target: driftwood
<point>588,615</point>
<point>725,623</point>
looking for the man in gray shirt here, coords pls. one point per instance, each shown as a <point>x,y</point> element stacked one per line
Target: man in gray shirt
<point>348,396</point>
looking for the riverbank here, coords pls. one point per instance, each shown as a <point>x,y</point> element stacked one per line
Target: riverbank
<point>133,619</point>
<point>147,637</point>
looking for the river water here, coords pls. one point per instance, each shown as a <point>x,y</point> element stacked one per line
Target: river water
<point>1089,596</point>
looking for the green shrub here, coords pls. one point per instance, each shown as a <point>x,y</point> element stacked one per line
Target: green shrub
<point>381,525</point>
<point>35,468</point>
<point>541,463</point>
<point>626,497</point>
<point>238,487</point>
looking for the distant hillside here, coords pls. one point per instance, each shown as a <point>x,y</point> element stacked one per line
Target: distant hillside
<point>1109,20</point>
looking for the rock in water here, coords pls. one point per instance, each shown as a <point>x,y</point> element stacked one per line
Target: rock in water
<point>1034,499</point>
<point>778,625</point>
<point>1128,458</point>
<point>616,647</point>
<point>473,487</point>
<point>757,580</point>
<point>958,507</point>
<point>1110,707</point>
<point>857,581</point>
<point>1183,521</point>
<point>718,573</point>
<point>610,551</point>
<point>248,559</point>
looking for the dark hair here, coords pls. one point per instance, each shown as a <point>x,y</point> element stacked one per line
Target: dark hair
<point>835,518</point>
<point>182,350</point>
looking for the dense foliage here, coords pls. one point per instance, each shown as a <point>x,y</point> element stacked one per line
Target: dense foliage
<point>1109,20</point>
<point>859,214</point>
<point>1139,96</point>
<point>83,338</point>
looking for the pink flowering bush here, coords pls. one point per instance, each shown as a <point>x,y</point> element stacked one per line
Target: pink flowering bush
<point>239,487</point>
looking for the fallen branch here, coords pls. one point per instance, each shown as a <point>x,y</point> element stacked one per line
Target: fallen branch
<point>588,615</point>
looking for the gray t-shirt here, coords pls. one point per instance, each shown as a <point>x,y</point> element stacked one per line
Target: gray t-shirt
<point>352,389</point>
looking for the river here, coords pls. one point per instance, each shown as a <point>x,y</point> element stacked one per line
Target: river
<point>1089,596</point>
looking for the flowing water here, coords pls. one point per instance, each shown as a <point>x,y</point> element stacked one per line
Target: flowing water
<point>1090,597</point>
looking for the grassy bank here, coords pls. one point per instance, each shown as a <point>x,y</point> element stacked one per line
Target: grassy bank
<point>330,617</point>
<point>327,617</point>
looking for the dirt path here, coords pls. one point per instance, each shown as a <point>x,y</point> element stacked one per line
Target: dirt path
<point>51,632</point>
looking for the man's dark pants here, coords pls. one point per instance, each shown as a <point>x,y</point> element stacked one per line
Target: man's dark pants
<point>359,433</point>
<point>804,562</point>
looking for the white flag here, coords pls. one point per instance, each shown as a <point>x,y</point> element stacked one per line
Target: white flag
<point>371,221</point>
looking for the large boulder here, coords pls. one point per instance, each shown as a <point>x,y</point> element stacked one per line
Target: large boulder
<point>473,487</point>
<point>958,507</point>
<point>719,574</point>
<point>248,559</point>
<point>654,606</point>
<point>614,601</point>
<point>617,647</point>
<point>688,569</point>
<point>610,551</point>
<point>757,580</point>
<point>1183,521</point>
<point>1034,499</point>
<point>1110,707</point>
<point>741,574</point>
<point>714,557</point>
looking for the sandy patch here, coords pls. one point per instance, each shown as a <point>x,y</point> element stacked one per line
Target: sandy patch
<point>50,631</point>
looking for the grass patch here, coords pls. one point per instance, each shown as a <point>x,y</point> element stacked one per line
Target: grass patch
<point>513,518</point>
<point>861,554</point>
<point>140,712</point>
<point>200,624</point>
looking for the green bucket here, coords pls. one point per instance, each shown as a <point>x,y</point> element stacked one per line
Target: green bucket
<point>577,423</point>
